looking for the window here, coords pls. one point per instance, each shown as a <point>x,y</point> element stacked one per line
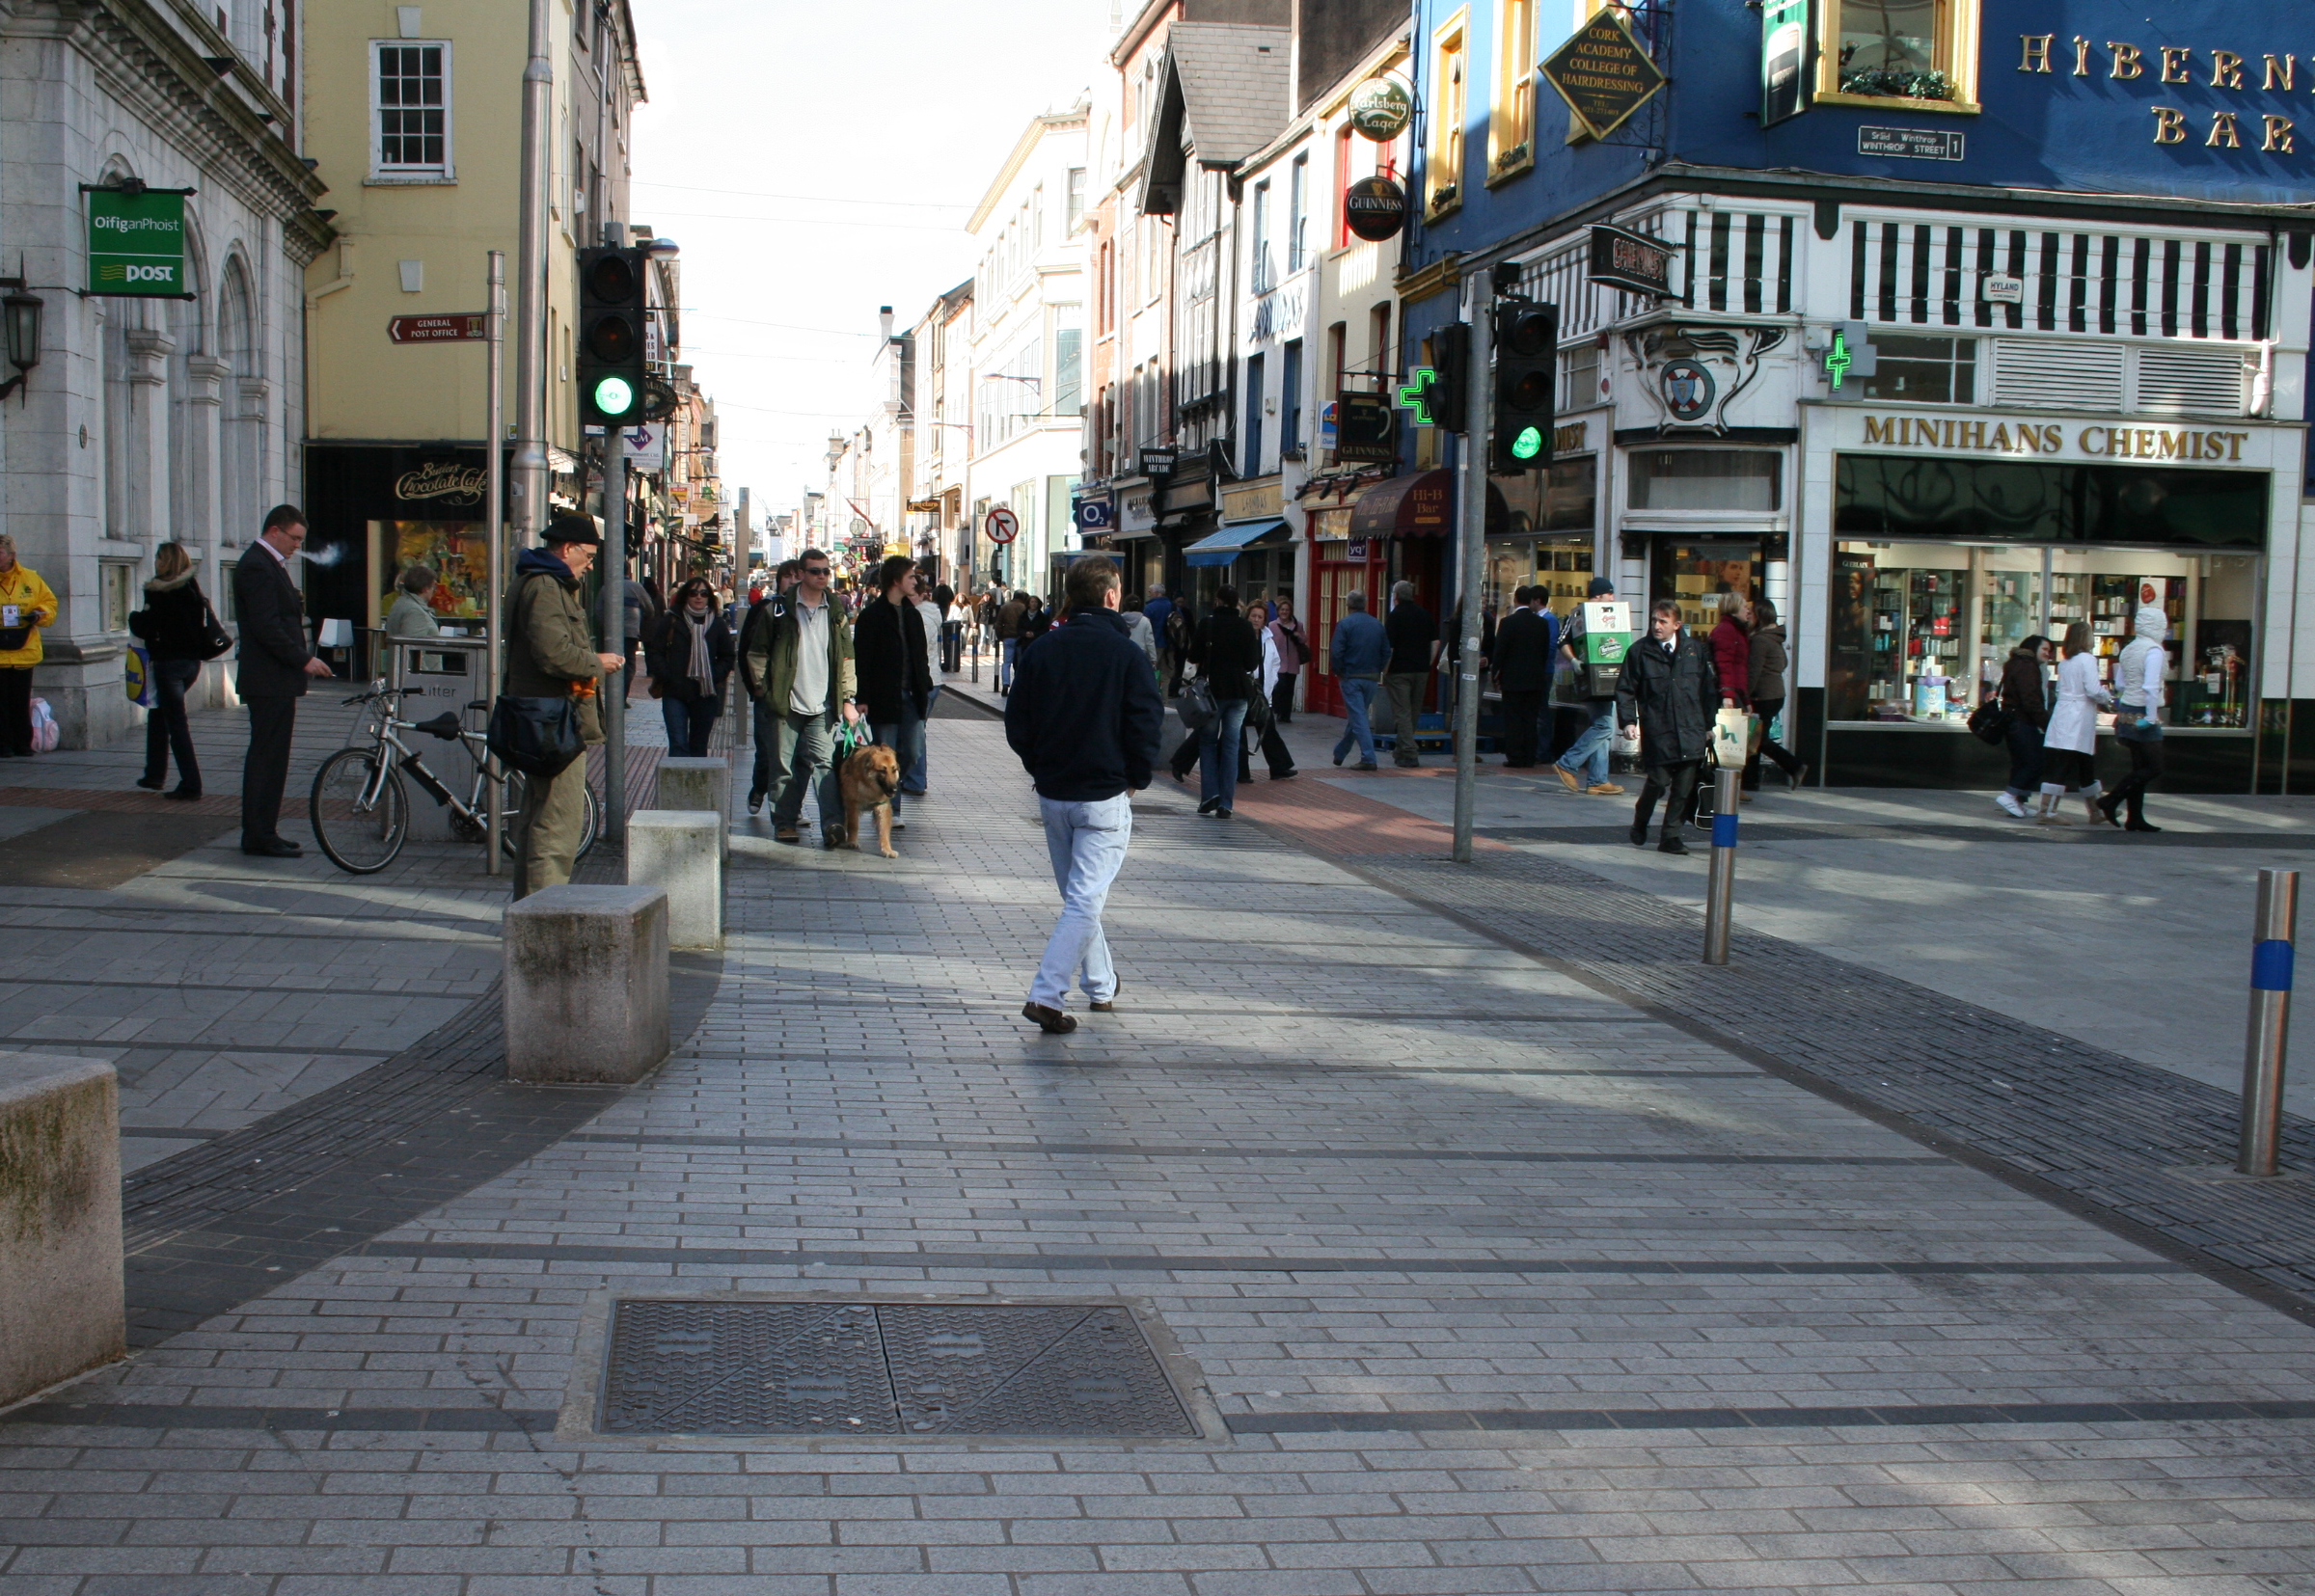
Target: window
<point>410,108</point>
<point>1249,458</point>
<point>1289,397</point>
<point>1450,57</point>
<point>1731,480</point>
<point>1379,325</point>
<point>1338,358</point>
<point>1512,123</point>
<point>1077,196</point>
<point>1069,372</point>
<point>1922,370</point>
<point>1297,216</point>
<point>1579,370</point>
<point>119,580</point>
<point>1265,275</point>
<point>1923,50</point>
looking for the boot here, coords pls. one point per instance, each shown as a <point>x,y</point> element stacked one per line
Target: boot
<point>2047,813</point>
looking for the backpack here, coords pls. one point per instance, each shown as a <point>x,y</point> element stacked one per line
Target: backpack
<point>44,731</point>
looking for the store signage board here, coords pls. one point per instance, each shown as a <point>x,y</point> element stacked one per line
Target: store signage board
<point>646,445</point>
<point>137,243</point>
<point>1912,143</point>
<point>1382,107</point>
<point>1374,209</point>
<point>1787,46</point>
<point>457,327</point>
<point>1632,262</point>
<point>1365,429</point>
<point>1093,515</point>
<point>1002,525</point>
<point>1158,462</point>
<point>1999,290</point>
<point>1416,395</point>
<point>1603,75</point>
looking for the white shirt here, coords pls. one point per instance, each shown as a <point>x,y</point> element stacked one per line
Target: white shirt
<point>808,694</point>
<point>267,544</point>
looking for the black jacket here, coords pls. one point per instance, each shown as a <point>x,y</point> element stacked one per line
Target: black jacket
<point>1523,649</point>
<point>1673,697</point>
<point>1411,631</point>
<point>175,620</point>
<point>887,652</point>
<point>2025,688</point>
<point>667,654</point>
<point>272,615</point>
<point>1227,654</point>
<point>1084,713</point>
<point>763,612</point>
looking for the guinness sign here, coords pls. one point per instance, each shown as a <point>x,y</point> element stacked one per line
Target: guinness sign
<point>1374,209</point>
<point>1632,262</point>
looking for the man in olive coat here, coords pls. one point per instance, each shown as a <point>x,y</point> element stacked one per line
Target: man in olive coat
<point>550,653</point>
<point>1667,696</point>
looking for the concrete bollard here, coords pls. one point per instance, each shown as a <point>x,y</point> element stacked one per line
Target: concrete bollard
<point>699,784</point>
<point>61,1309</point>
<point>675,849</point>
<point>586,993</point>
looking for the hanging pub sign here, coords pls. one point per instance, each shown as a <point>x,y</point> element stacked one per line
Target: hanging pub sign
<point>1788,45</point>
<point>1632,262</point>
<point>137,242</point>
<point>1382,107</point>
<point>1603,75</point>
<point>1364,428</point>
<point>1374,209</point>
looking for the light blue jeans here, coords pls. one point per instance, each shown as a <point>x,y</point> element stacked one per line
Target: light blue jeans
<point>1358,693</point>
<point>1587,757</point>
<point>1006,647</point>
<point>1087,842</point>
<point>1219,741</point>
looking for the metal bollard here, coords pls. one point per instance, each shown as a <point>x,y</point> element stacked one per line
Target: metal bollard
<point>2274,927</point>
<point>1720,886</point>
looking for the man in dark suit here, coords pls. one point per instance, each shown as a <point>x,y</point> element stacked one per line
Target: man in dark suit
<point>276,660</point>
<point>1521,658</point>
<point>1666,697</point>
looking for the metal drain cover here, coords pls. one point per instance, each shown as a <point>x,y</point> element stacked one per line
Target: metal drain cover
<point>692,1367</point>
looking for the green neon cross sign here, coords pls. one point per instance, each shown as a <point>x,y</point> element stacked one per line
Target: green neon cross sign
<point>1838,360</point>
<point>1416,395</point>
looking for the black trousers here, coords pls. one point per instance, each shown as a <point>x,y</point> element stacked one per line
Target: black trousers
<point>1521,709</point>
<point>2145,769</point>
<point>1274,752</point>
<point>265,768</point>
<point>1785,759</point>
<point>1676,779</point>
<point>1282,699</point>
<point>16,709</point>
<point>166,729</point>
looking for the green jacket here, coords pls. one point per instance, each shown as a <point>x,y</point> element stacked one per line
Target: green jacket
<point>772,657</point>
<point>549,644</point>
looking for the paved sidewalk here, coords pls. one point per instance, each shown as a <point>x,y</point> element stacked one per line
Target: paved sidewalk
<point>1494,1284</point>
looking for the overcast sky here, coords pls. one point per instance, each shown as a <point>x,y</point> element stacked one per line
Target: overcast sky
<point>816,161</point>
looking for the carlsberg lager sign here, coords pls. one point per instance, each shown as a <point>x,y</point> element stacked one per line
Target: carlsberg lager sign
<point>136,243</point>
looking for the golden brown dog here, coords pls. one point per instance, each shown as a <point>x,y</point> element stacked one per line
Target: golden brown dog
<point>868,778</point>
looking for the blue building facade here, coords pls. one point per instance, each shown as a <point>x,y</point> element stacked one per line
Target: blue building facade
<point>1978,319</point>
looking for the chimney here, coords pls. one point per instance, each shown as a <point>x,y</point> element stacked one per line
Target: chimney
<point>884,321</point>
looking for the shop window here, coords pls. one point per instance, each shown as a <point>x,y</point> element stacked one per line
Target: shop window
<point>1448,102</point>
<point>1731,480</point>
<point>1511,119</point>
<point>410,109</point>
<point>1707,577</point>
<point>118,592</point>
<point>1922,370</point>
<point>1921,51</point>
<point>1579,374</point>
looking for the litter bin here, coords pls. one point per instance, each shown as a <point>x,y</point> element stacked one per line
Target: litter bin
<point>447,673</point>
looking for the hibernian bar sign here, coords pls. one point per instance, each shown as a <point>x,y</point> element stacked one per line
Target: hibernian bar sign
<point>137,243</point>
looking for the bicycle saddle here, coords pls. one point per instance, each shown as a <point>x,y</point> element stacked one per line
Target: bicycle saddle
<point>444,725</point>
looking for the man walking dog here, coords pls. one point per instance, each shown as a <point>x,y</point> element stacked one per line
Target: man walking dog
<point>1086,717</point>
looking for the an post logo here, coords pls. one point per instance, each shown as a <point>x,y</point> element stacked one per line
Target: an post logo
<point>121,272</point>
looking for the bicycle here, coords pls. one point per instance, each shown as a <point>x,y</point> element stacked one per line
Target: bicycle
<point>360,811</point>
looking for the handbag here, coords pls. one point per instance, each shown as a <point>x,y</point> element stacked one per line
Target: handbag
<point>215,639</point>
<point>538,737</point>
<point>1990,722</point>
<point>1196,704</point>
<point>1260,717</point>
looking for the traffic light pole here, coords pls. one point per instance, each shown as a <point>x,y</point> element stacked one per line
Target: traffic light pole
<point>529,482</point>
<point>614,699</point>
<point>1471,550</point>
<point>494,614</point>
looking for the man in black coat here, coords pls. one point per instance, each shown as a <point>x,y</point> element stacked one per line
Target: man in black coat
<point>1667,696</point>
<point>1414,638</point>
<point>1522,664</point>
<point>1228,655</point>
<point>275,664</point>
<point>895,674</point>
<point>1085,716</point>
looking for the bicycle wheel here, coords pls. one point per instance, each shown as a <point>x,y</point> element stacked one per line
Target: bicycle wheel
<point>518,795</point>
<point>360,816</point>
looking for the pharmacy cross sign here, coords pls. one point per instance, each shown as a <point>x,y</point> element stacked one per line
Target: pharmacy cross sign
<point>1838,360</point>
<point>1416,395</point>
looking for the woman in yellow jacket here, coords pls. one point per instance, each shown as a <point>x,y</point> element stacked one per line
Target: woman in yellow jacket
<point>25,607</point>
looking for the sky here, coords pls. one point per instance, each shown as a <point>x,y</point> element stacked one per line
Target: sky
<point>814,161</point>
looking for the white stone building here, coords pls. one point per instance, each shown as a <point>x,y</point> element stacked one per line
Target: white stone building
<point>150,419</point>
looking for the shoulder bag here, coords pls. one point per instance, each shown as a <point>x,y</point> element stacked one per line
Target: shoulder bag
<point>1990,722</point>
<point>1196,704</point>
<point>538,737</point>
<point>214,638</point>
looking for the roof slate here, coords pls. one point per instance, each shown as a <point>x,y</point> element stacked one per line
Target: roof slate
<point>1235,86</point>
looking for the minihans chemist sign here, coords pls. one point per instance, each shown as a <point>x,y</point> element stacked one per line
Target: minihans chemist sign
<point>1603,75</point>
<point>137,243</point>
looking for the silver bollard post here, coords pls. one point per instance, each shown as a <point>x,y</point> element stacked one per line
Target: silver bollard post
<point>2273,929</point>
<point>1721,885</point>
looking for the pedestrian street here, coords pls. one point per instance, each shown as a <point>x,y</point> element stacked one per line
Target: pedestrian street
<point>1462,1274</point>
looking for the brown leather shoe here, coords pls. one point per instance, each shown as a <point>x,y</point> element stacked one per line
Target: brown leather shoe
<point>1604,789</point>
<point>1051,1021</point>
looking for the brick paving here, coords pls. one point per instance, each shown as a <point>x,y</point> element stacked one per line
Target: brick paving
<point>1498,1282</point>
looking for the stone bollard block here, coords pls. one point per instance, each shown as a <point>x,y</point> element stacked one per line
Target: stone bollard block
<point>61,1309</point>
<point>699,784</point>
<point>586,993</point>
<point>675,849</point>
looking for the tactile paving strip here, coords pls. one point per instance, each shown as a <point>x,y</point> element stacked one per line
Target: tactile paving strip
<point>683,1366</point>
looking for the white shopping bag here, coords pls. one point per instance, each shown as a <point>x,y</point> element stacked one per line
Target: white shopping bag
<point>1732,731</point>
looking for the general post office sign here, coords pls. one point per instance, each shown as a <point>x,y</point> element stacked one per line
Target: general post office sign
<point>137,243</point>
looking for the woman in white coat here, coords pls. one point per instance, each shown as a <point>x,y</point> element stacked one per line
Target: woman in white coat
<point>2070,744</point>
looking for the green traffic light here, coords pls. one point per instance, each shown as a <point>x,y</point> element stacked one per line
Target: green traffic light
<point>614,396</point>
<point>1528,445</point>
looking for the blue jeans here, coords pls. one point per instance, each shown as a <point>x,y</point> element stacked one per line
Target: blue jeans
<point>1220,742</point>
<point>691,722</point>
<point>1004,664</point>
<point>905,737</point>
<point>1087,844</point>
<point>913,777</point>
<point>1358,693</point>
<point>1587,756</point>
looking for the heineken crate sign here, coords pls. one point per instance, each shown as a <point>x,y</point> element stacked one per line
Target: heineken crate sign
<point>137,243</point>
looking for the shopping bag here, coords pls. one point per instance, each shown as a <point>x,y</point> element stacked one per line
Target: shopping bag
<point>136,675</point>
<point>1752,737</point>
<point>1730,732</point>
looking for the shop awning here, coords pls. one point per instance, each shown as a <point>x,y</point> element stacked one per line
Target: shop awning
<point>1233,539</point>
<point>1422,505</point>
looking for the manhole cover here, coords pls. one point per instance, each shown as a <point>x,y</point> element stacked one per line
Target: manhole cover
<point>683,1366</point>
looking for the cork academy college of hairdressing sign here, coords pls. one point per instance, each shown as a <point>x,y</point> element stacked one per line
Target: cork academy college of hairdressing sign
<point>1603,75</point>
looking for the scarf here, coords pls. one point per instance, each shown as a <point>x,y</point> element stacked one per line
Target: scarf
<point>701,670</point>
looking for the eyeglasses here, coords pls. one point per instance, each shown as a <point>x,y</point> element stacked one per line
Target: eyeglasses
<point>815,570</point>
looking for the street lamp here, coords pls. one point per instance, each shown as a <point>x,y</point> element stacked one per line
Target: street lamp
<point>20,311</point>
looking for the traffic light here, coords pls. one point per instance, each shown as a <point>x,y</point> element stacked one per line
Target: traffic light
<point>611,377</point>
<point>1527,354</point>
<point>1451,392</point>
